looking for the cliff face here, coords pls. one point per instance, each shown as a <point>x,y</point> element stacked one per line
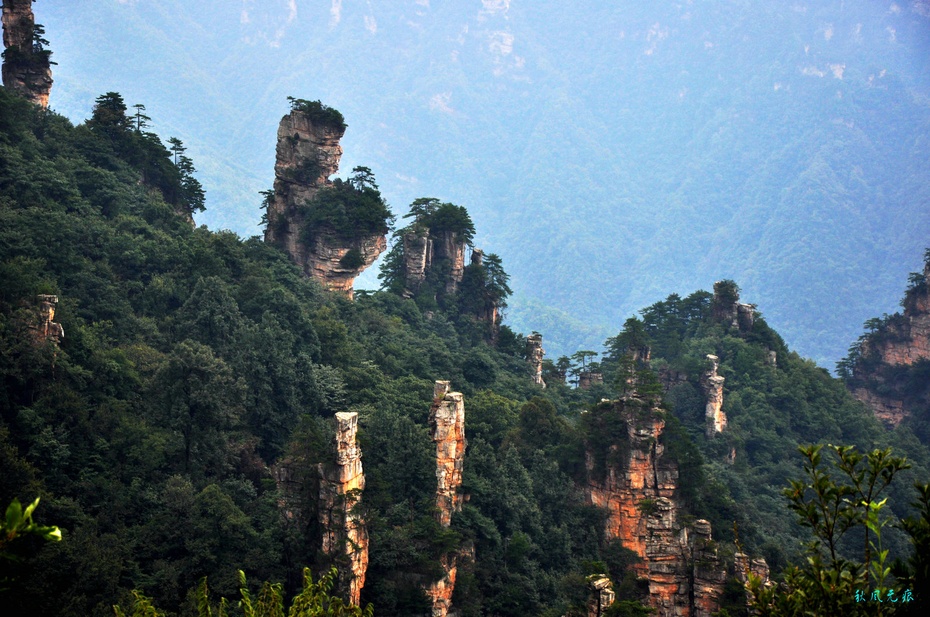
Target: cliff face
<point>308,153</point>
<point>638,490</point>
<point>712,385</point>
<point>447,427</point>
<point>424,249</point>
<point>345,537</point>
<point>534,355</point>
<point>903,342</point>
<point>26,67</point>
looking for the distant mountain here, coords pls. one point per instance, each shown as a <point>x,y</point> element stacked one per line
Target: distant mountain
<point>611,154</point>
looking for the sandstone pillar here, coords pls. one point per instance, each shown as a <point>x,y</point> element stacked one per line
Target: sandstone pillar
<point>345,537</point>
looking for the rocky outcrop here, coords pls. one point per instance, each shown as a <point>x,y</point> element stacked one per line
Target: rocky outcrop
<point>712,385</point>
<point>602,595</point>
<point>424,250</point>
<point>45,328</point>
<point>345,537</point>
<point>638,488</point>
<point>447,427</point>
<point>879,376</point>
<point>726,307</point>
<point>589,379</point>
<point>26,65</point>
<point>534,356</point>
<point>308,153</point>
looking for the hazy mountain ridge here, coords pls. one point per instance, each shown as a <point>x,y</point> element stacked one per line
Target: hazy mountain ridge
<point>610,155</point>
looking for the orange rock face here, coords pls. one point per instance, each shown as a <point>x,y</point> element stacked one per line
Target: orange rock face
<point>345,537</point>
<point>307,155</point>
<point>906,341</point>
<point>447,426</point>
<point>45,328</point>
<point>26,68</point>
<point>639,493</point>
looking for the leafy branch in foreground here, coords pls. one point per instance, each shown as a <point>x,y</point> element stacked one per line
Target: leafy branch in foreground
<point>18,522</point>
<point>314,600</point>
<point>830,584</point>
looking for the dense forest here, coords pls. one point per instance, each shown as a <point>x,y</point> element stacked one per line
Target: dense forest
<point>191,365</point>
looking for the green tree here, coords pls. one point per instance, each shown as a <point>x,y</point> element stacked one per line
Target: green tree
<point>831,507</point>
<point>198,397</point>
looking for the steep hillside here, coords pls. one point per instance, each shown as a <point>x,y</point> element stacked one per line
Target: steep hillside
<point>188,403</point>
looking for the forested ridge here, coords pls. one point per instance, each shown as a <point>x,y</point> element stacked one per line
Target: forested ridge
<point>195,362</point>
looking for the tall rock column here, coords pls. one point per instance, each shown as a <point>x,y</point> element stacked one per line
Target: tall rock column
<point>345,537</point>
<point>26,66</point>
<point>447,426</point>
<point>712,385</point>
<point>307,154</point>
<point>534,355</point>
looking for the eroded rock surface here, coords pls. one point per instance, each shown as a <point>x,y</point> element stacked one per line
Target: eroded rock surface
<point>902,342</point>
<point>639,491</point>
<point>345,537</point>
<point>534,355</point>
<point>308,153</point>
<point>26,66</point>
<point>712,385</point>
<point>45,328</point>
<point>727,308</point>
<point>447,427</point>
<point>602,595</point>
<point>424,249</point>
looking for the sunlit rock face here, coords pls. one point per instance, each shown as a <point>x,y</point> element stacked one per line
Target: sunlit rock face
<point>307,154</point>
<point>638,489</point>
<point>45,328</point>
<point>345,537</point>
<point>905,341</point>
<point>25,69</point>
<point>447,427</point>
<point>534,356</point>
<point>712,385</point>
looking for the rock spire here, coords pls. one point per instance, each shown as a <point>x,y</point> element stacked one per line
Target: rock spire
<point>712,385</point>
<point>26,64</point>
<point>308,153</point>
<point>447,427</point>
<point>345,536</point>
<point>534,356</point>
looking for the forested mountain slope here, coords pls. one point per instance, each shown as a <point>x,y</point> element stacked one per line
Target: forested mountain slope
<point>195,365</point>
<point>634,149</point>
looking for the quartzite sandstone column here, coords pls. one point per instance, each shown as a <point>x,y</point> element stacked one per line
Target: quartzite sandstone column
<point>345,537</point>
<point>447,425</point>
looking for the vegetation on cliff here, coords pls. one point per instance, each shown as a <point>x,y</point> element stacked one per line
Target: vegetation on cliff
<point>351,208</point>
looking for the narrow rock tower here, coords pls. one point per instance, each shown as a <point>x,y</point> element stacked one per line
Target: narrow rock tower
<point>712,385</point>
<point>447,426</point>
<point>534,355</point>
<point>26,65</point>
<point>345,537</point>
